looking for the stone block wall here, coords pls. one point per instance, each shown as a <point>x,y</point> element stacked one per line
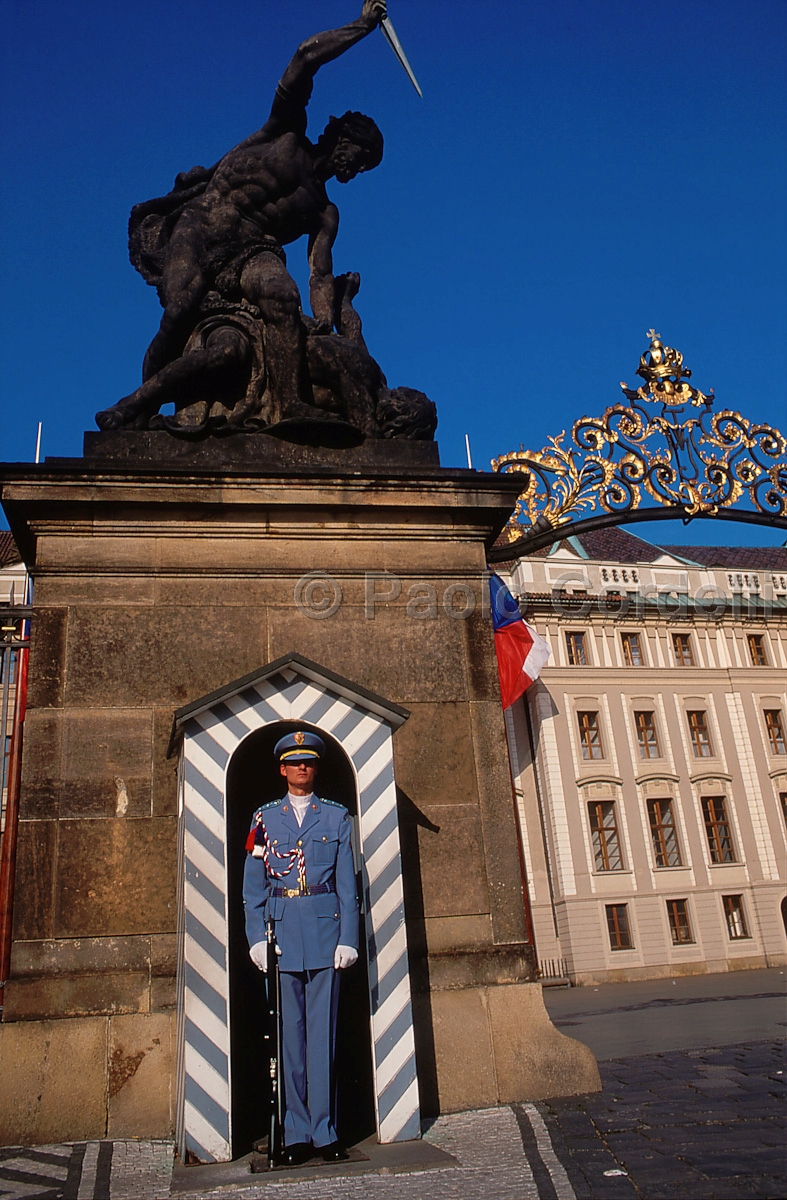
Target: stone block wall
<point>152,591</point>
<point>100,1076</point>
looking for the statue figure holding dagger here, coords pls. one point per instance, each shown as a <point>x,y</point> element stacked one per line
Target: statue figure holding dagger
<point>218,238</point>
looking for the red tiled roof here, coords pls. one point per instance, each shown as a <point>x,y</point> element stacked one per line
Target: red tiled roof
<point>8,551</point>
<point>742,558</point>
<point>616,545</point>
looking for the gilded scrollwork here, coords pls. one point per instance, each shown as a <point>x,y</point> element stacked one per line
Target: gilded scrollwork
<point>700,461</point>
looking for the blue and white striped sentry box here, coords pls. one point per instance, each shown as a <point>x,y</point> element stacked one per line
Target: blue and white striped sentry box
<point>292,688</point>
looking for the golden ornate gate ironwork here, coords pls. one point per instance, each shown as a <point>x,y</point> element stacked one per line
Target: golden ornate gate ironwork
<point>665,443</point>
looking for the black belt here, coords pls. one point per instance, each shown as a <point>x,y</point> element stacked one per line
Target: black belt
<point>319,889</point>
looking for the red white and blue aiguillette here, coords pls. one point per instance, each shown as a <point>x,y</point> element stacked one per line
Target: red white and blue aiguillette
<point>521,653</point>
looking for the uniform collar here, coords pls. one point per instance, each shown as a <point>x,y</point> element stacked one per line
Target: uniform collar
<point>311,815</point>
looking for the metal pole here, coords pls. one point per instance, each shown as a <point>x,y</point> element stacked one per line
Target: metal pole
<point>8,850</point>
<point>10,834</point>
<point>6,666</point>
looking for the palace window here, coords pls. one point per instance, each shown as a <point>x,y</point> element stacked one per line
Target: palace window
<point>577,650</point>
<point>618,925</point>
<point>717,827</point>
<point>664,833</point>
<point>590,735</point>
<point>681,644</point>
<point>604,835</point>
<point>679,924</point>
<point>700,734</point>
<point>647,736</point>
<point>775,728</point>
<point>736,919</point>
<point>8,666</point>
<point>632,650</point>
<point>757,650</point>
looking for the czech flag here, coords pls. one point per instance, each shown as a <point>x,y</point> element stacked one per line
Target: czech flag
<point>521,653</point>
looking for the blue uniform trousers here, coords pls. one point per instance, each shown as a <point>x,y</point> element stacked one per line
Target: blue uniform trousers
<point>309,1003</point>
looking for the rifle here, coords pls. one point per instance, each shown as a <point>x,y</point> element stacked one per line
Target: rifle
<point>273,1040</point>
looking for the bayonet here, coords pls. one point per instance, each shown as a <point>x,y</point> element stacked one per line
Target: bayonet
<point>396,46</point>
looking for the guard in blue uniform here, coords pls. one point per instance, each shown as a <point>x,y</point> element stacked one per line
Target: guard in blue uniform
<point>299,874</point>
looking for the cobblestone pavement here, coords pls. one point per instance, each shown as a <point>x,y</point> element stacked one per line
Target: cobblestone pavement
<point>683,1125</point>
<point>131,1170</point>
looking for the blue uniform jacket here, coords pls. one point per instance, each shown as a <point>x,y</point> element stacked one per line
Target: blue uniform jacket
<point>308,928</point>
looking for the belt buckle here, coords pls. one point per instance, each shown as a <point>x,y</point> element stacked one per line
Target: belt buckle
<point>288,892</point>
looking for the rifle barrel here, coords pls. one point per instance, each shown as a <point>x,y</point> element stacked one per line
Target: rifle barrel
<point>273,1037</point>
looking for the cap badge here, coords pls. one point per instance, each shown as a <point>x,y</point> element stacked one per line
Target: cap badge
<point>299,738</point>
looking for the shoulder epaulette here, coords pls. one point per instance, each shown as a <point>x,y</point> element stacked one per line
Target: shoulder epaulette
<point>333,803</point>
<point>270,804</point>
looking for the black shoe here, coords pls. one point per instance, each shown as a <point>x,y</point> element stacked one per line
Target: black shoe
<point>297,1154</point>
<point>333,1152</point>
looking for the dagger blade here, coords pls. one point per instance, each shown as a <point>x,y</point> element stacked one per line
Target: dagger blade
<point>393,41</point>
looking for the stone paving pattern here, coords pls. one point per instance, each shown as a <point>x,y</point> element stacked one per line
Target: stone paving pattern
<point>141,1169</point>
<point>683,1125</point>
<point>700,1124</point>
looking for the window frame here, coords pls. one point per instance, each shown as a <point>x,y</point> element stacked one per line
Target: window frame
<point>586,732</point>
<point>603,836</point>
<point>679,655</point>
<point>678,921</point>
<point>641,729</point>
<point>581,635</point>
<point>713,823</point>
<point>8,662</point>
<point>774,730</point>
<point>756,641</point>
<point>696,730</point>
<point>658,837</point>
<point>616,928</point>
<point>625,645</point>
<point>730,915</point>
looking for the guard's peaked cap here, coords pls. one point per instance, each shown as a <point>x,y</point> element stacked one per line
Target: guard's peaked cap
<point>299,747</point>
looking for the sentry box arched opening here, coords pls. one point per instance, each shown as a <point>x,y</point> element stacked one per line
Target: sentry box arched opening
<point>210,731</point>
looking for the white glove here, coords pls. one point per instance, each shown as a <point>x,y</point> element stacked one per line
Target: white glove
<point>259,955</point>
<point>345,956</point>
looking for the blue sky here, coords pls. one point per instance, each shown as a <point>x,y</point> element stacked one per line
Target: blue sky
<point>575,174</point>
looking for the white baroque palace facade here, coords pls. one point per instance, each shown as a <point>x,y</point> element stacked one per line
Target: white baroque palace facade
<point>650,761</point>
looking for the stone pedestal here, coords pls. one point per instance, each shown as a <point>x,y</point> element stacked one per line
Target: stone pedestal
<point>156,585</point>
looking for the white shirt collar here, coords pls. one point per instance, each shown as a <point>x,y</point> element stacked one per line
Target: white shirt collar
<point>299,805</point>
